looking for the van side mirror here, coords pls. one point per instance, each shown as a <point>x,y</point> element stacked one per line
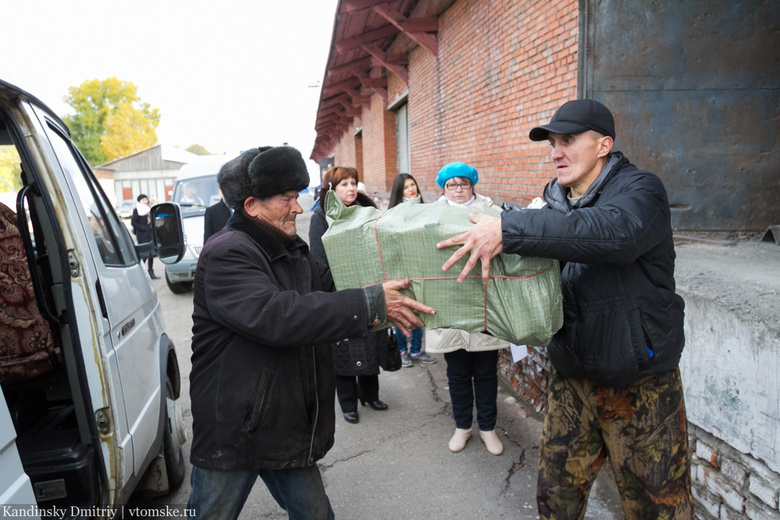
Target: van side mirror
<point>167,232</point>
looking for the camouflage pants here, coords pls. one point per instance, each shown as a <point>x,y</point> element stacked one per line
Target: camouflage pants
<point>641,428</point>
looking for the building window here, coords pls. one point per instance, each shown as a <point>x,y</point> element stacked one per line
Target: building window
<point>402,133</point>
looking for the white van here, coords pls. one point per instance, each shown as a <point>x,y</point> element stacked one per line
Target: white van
<point>89,379</point>
<point>194,190</point>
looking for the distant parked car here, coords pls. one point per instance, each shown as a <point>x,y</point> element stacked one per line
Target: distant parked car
<point>125,209</point>
<point>194,189</point>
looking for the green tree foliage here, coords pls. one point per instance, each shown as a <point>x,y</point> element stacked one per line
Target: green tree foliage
<point>127,131</point>
<point>198,149</point>
<point>10,169</point>
<point>96,104</point>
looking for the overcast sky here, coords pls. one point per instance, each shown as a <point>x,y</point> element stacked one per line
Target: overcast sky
<point>227,75</point>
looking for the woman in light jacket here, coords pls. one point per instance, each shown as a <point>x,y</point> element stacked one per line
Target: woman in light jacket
<point>356,361</point>
<point>472,358</point>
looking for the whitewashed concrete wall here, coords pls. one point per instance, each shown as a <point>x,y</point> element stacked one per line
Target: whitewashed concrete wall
<point>731,374</point>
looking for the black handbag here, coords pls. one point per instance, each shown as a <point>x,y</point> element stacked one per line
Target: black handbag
<point>389,355</point>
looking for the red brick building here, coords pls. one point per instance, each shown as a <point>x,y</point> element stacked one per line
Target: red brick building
<point>413,85</point>
<point>467,88</point>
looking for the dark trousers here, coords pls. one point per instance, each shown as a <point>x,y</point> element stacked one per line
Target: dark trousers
<point>473,378</point>
<point>351,388</point>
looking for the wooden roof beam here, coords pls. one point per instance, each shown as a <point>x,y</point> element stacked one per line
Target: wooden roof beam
<point>367,82</point>
<point>378,85</point>
<point>341,86</point>
<point>361,63</point>
<point>358,99</point>
<point>351,110</point>
<point>367,37</point>
<point>418,29</point>
<point>356,5</point>
<point>335,100</point>
<point>382,57</point>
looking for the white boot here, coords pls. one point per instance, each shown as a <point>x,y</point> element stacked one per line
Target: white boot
<point>459,440</point>
<point>492,442</point>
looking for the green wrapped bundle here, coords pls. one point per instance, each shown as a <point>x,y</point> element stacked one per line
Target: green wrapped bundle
<point>364,246</point>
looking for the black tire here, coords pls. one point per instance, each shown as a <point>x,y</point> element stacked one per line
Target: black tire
<point>178,287</point>
<point>174,461</point>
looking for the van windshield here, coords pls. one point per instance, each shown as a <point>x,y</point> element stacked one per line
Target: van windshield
<point>196,194</point>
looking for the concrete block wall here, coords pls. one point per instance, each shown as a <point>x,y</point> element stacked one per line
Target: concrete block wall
<point>729,369</point>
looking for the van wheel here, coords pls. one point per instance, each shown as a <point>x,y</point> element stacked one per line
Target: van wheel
<point>174,460</point>
<point>178,287</point>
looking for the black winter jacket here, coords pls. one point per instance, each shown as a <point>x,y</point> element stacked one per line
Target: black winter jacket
<point>357,356</point>
<point>262,384</point>
<point>622,318</point>
<point>141,227</point>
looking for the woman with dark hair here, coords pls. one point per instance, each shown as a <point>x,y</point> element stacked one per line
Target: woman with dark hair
<point>142,229</point>
<point>405,189</point>
<point>356,361</point>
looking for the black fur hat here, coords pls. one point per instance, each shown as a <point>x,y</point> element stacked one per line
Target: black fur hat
<point>233,177</point>
<point>276,171</point>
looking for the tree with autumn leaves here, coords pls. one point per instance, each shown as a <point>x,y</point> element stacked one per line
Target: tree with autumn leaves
<point>110,120</point>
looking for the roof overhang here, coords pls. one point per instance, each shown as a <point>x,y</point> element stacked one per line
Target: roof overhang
<point>359,61</point>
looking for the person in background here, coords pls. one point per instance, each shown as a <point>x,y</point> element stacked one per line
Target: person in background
<point>142,229</point>
<point>356,360</point>
<point>405,189</point>
<point>472,358</point>
<point>265,316</point>
<point>614,389</point>
<point>216,216</point>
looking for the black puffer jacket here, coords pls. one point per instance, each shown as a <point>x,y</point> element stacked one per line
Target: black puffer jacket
<point>262,383</point>
<point>622,318</point>
<point>356,356</point>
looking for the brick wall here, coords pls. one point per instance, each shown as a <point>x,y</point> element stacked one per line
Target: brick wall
<point>528,377</point>
<point>730,484</point>
<point>501,70</point>
<point>344,151</point>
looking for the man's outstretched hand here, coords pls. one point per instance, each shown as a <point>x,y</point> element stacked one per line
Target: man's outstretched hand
<point>399,308</point>
<point>482,242</point>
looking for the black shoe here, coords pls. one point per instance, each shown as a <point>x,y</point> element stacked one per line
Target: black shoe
<point>351,417</point>
<point>376,405</point>
<point>153,276</point>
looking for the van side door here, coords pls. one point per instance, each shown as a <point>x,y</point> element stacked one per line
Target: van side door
<point>130,315</point>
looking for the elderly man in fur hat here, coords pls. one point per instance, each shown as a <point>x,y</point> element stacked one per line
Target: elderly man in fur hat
<point>262,382</point>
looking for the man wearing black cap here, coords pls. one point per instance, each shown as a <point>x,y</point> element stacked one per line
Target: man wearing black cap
<point>614,388</point>
<point>262,385</point>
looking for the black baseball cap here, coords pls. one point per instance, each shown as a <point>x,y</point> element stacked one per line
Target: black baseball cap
<point>575,117</point>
